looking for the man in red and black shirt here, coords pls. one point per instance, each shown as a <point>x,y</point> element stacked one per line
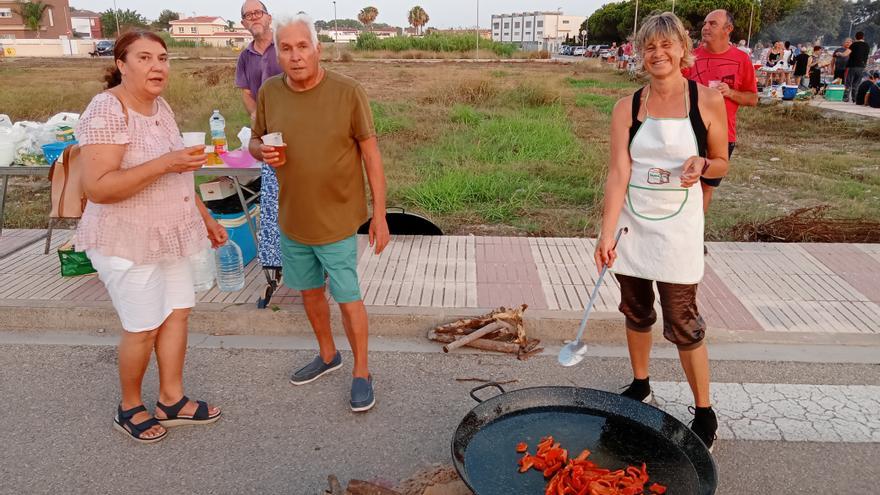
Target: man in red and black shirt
<point>722,66</point>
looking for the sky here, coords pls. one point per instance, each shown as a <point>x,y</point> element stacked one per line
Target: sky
<point>442,13</point>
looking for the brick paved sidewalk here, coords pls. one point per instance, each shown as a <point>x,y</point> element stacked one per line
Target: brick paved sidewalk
<point>813,288</point>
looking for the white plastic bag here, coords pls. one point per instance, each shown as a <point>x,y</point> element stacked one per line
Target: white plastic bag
<point>5,121</point>
<point>244,135</point>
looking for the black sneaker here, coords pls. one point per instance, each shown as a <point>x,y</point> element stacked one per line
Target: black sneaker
<point>639,390</point>
<point>704,424</point>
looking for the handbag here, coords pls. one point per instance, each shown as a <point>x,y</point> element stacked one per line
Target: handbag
<point>73,262</point>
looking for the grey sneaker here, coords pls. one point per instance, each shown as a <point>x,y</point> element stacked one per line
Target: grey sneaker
<point>315,369</point>
<point>362,398</point>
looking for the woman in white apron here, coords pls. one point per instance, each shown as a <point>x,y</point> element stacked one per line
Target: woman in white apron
<point>662,139</point>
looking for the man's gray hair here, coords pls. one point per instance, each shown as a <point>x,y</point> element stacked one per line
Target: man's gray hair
<point>287,21</point>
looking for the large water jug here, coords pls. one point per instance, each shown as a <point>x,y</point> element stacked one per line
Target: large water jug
<point>230,268</point>
<point>203,269</point>
<point>218,132</point>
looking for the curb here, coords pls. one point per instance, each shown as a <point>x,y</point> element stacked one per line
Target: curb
<point>552,327</point>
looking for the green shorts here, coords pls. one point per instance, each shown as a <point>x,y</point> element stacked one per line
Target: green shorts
<point>304,266</point>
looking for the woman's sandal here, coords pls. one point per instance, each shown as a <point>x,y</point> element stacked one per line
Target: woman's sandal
<point>123,423</point>
<point>201,417</point>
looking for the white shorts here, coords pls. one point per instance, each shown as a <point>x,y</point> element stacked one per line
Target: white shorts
<point>145,295</point>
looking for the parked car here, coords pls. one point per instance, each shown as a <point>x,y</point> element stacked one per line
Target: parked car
<point>579,51</point>
<point>597,50</point>
<point>103,48</point>
<point>606,52</point>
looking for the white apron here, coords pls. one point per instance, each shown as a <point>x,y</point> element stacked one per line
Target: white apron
<point>665,221</point>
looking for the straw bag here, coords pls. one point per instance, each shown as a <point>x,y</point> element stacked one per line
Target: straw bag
<point>68,195</point>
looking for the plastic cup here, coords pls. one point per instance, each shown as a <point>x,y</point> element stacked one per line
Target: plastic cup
<point>282,153</point>
<point>273,139</point>
<point>714,84</point>
<point>193,139</point>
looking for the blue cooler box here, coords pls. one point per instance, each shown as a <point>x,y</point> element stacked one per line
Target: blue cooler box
<point>239,232</point>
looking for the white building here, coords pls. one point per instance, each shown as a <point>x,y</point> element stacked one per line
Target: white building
<point>350,35</point>
<point>210,30</point>
<point>536,30</point>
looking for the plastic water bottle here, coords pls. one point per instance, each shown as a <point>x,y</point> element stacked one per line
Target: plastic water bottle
<point>230,268</point>
<point>203,269</point>
<point>218,132</point>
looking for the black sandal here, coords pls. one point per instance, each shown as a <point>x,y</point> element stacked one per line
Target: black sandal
<point>201,417</point>
<point>123,423</point>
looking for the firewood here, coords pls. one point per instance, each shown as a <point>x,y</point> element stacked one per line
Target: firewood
<point>491,345</point>
<point>335,487</point>
<point>358,487</point>
<point>475,335</point>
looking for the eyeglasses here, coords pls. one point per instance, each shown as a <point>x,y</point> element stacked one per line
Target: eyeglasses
<point>253,15</point>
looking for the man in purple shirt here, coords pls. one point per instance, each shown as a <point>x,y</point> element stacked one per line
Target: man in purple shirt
<point>258,61</point>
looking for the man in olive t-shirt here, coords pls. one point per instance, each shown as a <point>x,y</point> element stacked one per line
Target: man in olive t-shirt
<point>326,123</point>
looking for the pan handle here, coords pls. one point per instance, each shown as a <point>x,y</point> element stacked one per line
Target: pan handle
<point>486,385</point>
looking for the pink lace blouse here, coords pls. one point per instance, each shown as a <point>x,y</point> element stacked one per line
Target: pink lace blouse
<point>162,221</point>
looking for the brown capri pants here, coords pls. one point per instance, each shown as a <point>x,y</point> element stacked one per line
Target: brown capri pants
<point>682,323</point>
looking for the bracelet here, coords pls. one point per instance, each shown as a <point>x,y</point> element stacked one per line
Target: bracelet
<point>705,166</point>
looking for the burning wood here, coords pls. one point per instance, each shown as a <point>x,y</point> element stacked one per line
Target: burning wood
<point>501,330</point>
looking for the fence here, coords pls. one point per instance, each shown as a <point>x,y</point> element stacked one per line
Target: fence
<point>59,47</point>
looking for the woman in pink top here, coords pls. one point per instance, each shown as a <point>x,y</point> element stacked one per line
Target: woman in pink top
<point>142,222</point>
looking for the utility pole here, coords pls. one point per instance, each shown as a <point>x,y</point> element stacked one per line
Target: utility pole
<point>636,21</point>
<point>116,15</point>
<point>751,16</point>
<point>478,29</point>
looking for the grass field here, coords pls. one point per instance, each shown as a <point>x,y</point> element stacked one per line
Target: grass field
<point>502,149</point>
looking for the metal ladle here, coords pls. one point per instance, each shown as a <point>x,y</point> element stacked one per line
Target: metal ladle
<point>575,351</point>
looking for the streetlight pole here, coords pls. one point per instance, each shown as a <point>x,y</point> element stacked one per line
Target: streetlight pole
<point>851,22</point>
<point>673,6</point>
<point>335,32</point>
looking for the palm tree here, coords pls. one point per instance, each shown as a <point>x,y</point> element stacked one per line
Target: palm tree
<point>32,14</point>
<point>417,17</point>
<point>367,16</point>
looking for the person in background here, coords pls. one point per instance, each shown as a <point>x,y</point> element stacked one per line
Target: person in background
<point>855,65</point>
<point>863,89</point>
<point>787,61</point>
<point>721,65</point>
<point>841,57</point>
<point>256,63</point>
<point>664,138</point>
<point>745,49</point>
<point>873,97</point>
<point>141,223</point>
<point>802,63</point>
<point>821,62</point>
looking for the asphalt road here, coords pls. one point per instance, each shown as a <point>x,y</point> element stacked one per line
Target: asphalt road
<point>58,401</point>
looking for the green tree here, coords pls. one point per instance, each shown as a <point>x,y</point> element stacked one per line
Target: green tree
<point>861,15</point>
<point>164,20</point>
<point>32,14</point>
<point>128,19</point>
<point>805,25</point>
<point>417,18</point>
<point>342,23</point>
<point>367,16</point>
